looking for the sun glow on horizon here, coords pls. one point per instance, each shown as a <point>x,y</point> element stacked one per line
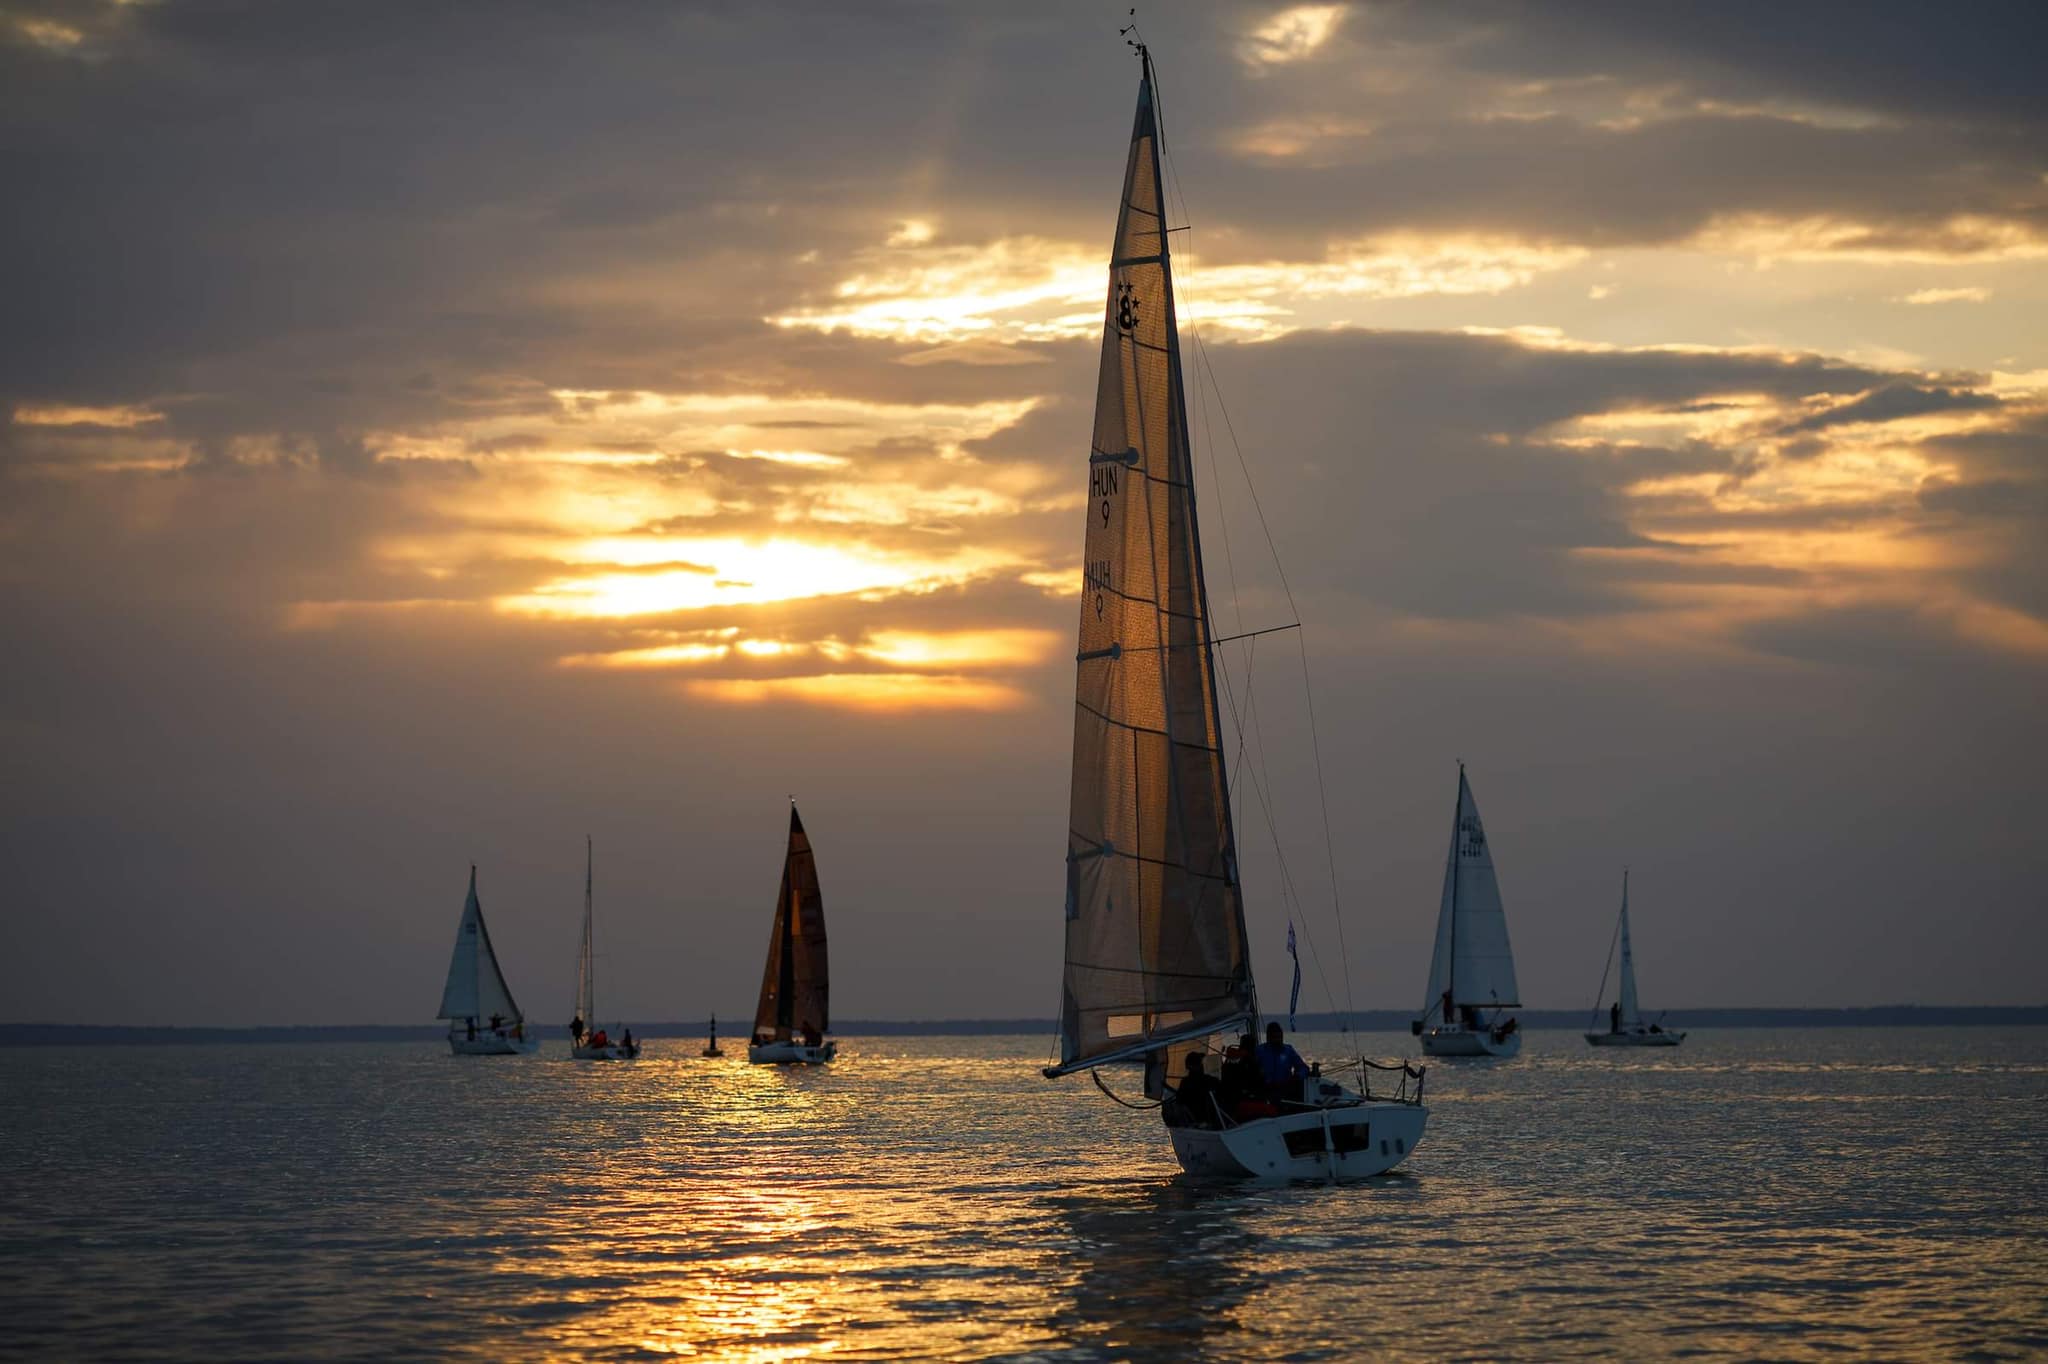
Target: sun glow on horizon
<point>1031,289</point>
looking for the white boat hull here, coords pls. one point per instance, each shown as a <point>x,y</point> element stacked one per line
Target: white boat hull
<point>493,1044</point>
<point>614,1051</point>
<point>1644,1038</point>
<point>1346,1141</point>
<point>791,1053</point>
<point>1464,1042</point>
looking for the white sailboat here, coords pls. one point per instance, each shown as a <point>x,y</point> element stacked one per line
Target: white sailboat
<point>1472,971</point>
<point>482,1019</point>
<point>793,1014</point>
<point>1625,1026</point>
<point>1156,956</point>
<point>587,1041</point>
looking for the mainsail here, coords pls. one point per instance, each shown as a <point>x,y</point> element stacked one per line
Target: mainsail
<point>476,987</point>
<point>1155,948</point>
<point>1631,1015</point>
<point>586,970</point>
<point>795,983</point>
<point>1472,963</point>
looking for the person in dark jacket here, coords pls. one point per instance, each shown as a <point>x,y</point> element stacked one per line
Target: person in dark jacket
<point>1280,1065</point>
<point>1240,1079</point>
<point>1195,1095</point>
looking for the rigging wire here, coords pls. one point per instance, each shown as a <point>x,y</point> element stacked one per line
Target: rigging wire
<point>1606,965</point>
<point>1249,719</point>
<point>1096,1075</point>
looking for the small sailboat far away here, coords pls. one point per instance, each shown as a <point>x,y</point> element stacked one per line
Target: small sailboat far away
<point>1625,1026</point>
<point>1472,971</point>
<point>588,1041</point>
<point>482,1019</point>
<point>793,1015</point>
<point>711,1047</point>
<point>1157,962</point>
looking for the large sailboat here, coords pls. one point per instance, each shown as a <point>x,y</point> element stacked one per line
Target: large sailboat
<point>588,1041</point>
<point>482,1019</point>
<point>1472,971</point>
<point>1157,963</point>
<point>1625,1026</point>
<point>792,1017</point>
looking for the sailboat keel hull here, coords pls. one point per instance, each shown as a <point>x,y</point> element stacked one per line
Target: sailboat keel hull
<point>492,1046</point>
<point>1454,1042</point>
<point>606,1053</point>
<point>1635,1039</point>
<point>1323,1144</point>
<point>791,1054</point>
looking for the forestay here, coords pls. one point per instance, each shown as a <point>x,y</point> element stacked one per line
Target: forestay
<point>1631,1015</point>
<point>1155,940</point>
<point>1472,961</point>
<point>795,984</point>
<point>476,987</point>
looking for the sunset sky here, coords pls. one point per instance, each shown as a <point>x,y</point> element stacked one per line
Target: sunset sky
<point>432,433</point>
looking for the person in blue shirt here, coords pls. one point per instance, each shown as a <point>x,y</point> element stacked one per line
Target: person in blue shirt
<point>1280,1065</point>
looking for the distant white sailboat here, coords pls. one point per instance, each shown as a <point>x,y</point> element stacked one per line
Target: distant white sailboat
<point>793,1014</point>
<point>588,1041</point>
<point>1625,1026</point>
<point>1472,970</point>
<point>482,1019</point>
<point>1156,955</point>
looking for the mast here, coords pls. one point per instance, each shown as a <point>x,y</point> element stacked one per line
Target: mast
<point>785,992</point>
<point>1630,1012</point>
<point>1444,951</point>
<point>586,964</point>
<point>1155,937</point>
<point>1201,577</point>
<point>1457,838</point>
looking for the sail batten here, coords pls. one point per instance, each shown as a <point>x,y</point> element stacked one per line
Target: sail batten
<point>1155,946</point>
<point>796,981</point>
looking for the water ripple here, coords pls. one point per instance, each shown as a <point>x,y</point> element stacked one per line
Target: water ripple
<point>1784,1194</point>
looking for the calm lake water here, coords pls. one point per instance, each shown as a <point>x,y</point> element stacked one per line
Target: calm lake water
<point>1784,1194</point>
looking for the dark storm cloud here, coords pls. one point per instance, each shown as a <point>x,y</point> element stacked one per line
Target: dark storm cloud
<point>291,216</point>
<point>1428,471</point>
<point>1974,66</point>
<point>1894,401</point>
<point>261,708</point>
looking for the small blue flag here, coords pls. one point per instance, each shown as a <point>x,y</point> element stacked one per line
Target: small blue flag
<point>1293,995</point>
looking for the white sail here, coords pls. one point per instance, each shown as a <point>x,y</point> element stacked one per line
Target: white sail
<point>1631,1015</point>
<point>1155,943</point>
<point>1472,964</point>
<point>476,987</point>
<point>586,971</point>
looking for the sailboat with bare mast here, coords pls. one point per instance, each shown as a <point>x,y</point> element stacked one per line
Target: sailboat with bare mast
<point>1157,962</point>
<point>1625,1025</point>
<point>588,1041</point>
<point>793,1013</point>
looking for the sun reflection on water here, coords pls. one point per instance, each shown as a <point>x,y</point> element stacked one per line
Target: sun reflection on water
<point>1785,1195</point>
